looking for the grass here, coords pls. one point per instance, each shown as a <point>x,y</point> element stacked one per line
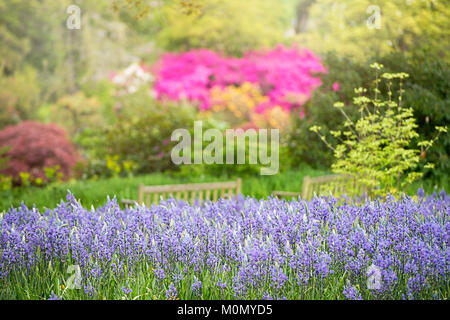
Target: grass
<point>144,285</point>
<point>95,192</point>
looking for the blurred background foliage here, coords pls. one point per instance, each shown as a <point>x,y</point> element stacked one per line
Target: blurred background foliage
<point>404,25</point>
<point>231,26</point>
<point>426,91</point>
<point>51,74</point>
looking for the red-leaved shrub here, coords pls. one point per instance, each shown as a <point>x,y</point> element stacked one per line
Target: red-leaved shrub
<point>35,146</point>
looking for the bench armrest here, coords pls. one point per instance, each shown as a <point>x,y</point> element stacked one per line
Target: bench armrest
<point>128,202</point>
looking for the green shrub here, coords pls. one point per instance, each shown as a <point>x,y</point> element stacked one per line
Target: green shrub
<point>19,96</point>
<point>245,169</point>
<point>75,113</point>
<point>5,181</point>
<point>376,149</point>
<point>306,147</point>
<point>141,135</point>
<point>426,92</point>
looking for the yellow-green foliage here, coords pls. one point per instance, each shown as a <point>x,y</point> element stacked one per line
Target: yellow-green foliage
<point>375,149</point>
<point>341,26</point>
<point>75,112</point>
<point>231,26</point>
<point>142,9</point>
<point>19,96</point>
<point>5,181</point>
<point>116,166</point>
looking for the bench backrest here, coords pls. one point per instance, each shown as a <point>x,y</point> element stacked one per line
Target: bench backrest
<point>189,192</point>
<point>336,184</point>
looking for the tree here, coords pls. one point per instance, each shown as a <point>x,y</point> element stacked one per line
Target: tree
<point>231,26</point>
<point>37,44</point>
<point>302,14</point>
<point>142,9</point>
<point>404,25</point>
<point>19,96</point>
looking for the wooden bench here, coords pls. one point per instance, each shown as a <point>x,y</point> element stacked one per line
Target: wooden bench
<point>336,184</point>
<point>188,192</point>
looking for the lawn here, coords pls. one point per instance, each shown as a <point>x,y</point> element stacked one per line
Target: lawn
<point>95,192</point>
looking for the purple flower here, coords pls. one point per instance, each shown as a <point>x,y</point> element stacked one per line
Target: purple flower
<point>351,293</point>
<point>89,290</point>
<point>172,292</point>
<point>197,288</point>
<point>221,284</point>
<point>53,296</point>
<point>421,192</point>
<point>267,297</point>
<point>126,289</point>
<point>160,274</point>
<point>247,245</point>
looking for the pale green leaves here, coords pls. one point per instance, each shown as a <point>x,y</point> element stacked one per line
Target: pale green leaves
<point>338,105</point>
<point>441,129</point>
<point>360,90</point>
<point>429,166</point>
<point>391,76</point>
<point>315,129</point>
<point>335,134</point>
<point>376,148</point>
<point>425,144</point>
<point>376,66</point>
<point>362,100</point>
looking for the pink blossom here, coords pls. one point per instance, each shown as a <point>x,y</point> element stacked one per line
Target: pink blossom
<point>281,73</point>
<point>336,86</point>
<point>302,114</point>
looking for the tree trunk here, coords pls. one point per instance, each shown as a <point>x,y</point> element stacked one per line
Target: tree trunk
<point>302,14</point>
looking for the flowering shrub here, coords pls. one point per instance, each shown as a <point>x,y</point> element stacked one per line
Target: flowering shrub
<point>275,117</point>
<point>34,147</point>
<point>285,76</point>
<point>131,79</point>
<point>236,105</point>
<point>245,248</point>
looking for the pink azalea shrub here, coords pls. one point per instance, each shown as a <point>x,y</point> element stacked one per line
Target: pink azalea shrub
<point>287,76</point>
